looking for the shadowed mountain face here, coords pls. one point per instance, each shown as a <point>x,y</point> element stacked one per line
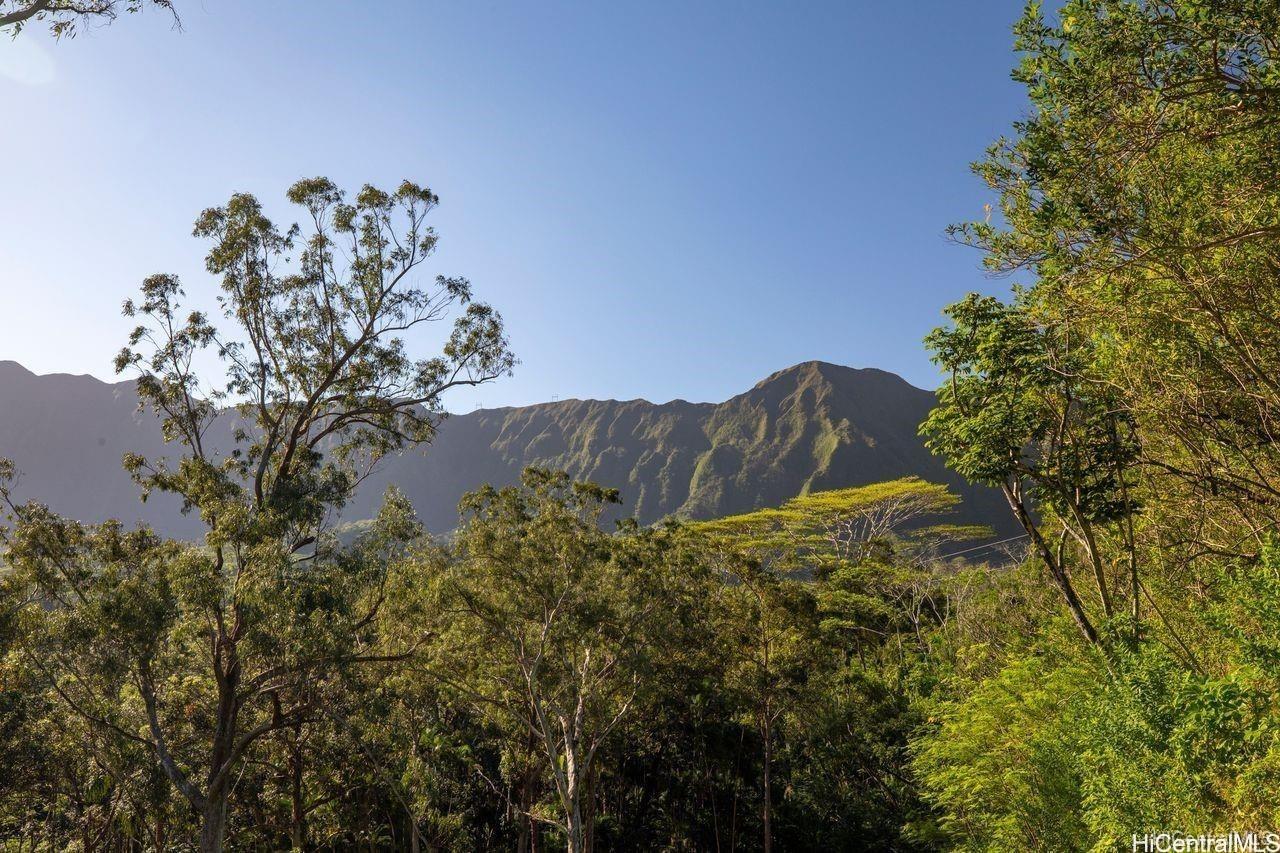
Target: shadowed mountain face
<point>810,427</point>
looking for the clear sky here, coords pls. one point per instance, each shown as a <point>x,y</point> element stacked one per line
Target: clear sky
<point>663,199</point>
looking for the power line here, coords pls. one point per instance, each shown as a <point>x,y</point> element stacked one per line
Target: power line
<point>979,547</point>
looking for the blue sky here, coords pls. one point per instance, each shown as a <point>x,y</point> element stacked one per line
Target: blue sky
<point>664,200</point>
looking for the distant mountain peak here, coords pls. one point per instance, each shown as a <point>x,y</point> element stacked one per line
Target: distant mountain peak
<point>814,425</point>
<point>807,372</point>
<point>12,368</point>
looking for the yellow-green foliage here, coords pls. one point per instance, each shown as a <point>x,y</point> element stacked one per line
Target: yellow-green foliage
<point>846,524</point>
<point>1001,763</point>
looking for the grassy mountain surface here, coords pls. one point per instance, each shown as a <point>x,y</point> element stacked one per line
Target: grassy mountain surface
<point>809,427</point>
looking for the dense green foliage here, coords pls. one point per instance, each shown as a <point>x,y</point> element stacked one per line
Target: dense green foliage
<point>824,674</point>
<point>1125,401</point>
<point>534,680</point>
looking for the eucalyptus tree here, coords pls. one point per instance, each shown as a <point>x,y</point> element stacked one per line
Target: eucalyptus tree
<point>552,629</point>
<point>216,646</point>
<point>773,625</point>
<point>65,17</point>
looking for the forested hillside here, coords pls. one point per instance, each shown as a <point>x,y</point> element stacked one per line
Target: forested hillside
<point>800,658</point>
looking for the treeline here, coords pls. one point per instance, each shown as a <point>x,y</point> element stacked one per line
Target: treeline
<point>537,683</point>
<point>532,682</point>
<point>822,675</point>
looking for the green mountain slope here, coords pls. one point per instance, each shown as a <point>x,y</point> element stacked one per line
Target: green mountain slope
<point>812,426</point>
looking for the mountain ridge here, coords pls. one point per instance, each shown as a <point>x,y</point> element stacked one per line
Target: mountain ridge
<point>814,425</point>
<point>815,364</point>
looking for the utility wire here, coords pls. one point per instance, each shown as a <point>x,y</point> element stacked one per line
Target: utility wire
<point>978,548</point>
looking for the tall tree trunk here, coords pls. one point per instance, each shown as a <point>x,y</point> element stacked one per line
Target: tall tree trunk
<point>1095,560</point>
<point>569,781</point>
<point>525,842</point>
<point>573,818</point>
<point>767,804</point>
<point>737,772</point>
<point>224,738</point>
<point>589,811</point>
<point>298,810</point>
<point>214,827</point>
<point>577,838</point>
<point>1131,546</point>
<point>1056,570</point>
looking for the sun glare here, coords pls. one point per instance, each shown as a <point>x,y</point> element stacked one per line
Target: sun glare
<point>24,61</point>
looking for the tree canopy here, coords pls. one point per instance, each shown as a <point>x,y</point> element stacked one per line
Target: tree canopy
<point>847,670</point>
<point>65,17</point>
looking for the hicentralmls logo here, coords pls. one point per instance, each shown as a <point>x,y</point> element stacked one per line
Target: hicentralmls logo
<point>1231,842</point>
